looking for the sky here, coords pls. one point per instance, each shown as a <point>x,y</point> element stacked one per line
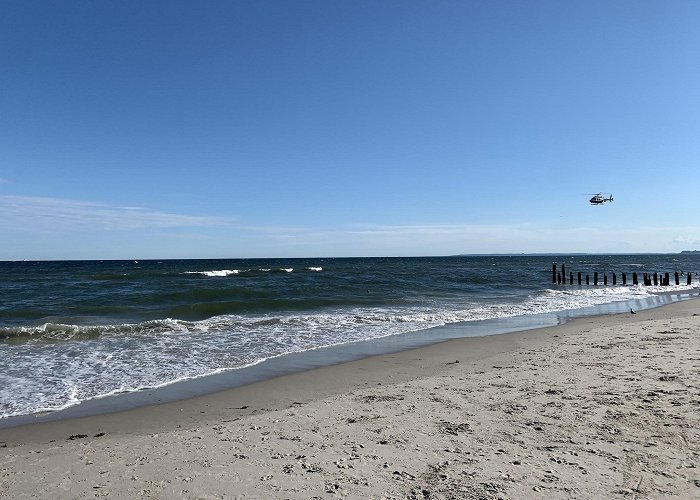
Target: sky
<point>315,128</point>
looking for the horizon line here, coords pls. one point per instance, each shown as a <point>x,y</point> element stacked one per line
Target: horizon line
<point>499,254</point>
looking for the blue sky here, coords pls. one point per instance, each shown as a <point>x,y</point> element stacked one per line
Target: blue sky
<point>171,129</point>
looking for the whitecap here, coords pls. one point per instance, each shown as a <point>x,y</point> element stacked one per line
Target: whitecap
<point>221,272</point>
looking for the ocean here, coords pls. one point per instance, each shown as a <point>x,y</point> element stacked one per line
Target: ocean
<point>76,331</point>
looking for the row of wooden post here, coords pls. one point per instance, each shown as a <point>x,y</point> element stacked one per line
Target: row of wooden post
<point>647,278</point>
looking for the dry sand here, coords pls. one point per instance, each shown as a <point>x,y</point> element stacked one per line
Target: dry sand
<point>597,408</point>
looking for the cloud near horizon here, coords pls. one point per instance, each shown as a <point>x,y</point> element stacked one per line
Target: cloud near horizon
<point>531,238</point>
<point>230,236</point>
<point>42,213</point>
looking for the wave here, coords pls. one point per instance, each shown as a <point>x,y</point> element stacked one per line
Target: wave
<point>219,273</point>
<point>232,315</point>
<point>51,368</point>
<point>56,332</point>
<point>230,272</point>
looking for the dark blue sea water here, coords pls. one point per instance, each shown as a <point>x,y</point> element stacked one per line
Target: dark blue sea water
<point>75,331</point>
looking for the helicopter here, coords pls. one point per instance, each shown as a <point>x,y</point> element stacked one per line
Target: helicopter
<point>599,199</point>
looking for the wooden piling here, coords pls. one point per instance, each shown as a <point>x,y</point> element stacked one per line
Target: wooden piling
<point>559,277</point>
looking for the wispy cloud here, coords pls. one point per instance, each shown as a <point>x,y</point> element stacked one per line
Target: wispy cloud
<point>688,241</point>
<point>446,239</point>
<point>436,229</point>
<point>39,218</point>
<point>3,181</point>
<point>39,212</point>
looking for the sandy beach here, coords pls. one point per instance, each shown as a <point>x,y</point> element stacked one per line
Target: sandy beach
<point>600,407</point>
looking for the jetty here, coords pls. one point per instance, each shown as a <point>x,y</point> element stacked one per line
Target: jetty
<point>560,277</point>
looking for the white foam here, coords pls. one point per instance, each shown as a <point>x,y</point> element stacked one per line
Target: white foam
<point>219,273</point>
<point>51,375</point>
<point>317,269</point>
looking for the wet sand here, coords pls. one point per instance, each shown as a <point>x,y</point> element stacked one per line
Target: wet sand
<point>599,407</point>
